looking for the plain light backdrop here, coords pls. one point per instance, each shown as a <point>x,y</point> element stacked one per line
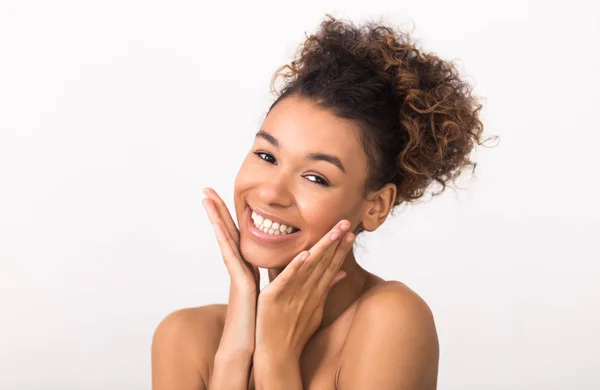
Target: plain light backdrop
<point>114,115</point>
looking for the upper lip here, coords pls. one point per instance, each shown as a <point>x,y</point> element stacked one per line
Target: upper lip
<point>271,217</point>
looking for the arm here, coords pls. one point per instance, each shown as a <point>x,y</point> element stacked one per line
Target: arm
<point>184,347</point>
<point>392,343</point>
<point>234,355</point>
<point>231,371</point>
<point>188,342</point>
<point>233,358</point>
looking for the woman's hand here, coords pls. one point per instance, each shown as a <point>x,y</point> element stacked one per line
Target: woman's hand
<point>238,333</point>
<point>290,308</point>
<point>244,276</point>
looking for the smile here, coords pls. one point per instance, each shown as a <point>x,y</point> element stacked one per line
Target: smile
<point>268,226</point>
<point>267,230</point>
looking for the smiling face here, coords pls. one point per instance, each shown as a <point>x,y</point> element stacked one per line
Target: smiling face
<point>307,170</point>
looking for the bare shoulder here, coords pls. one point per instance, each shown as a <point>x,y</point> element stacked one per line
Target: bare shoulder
<point>393,298</point>
<point>200,324</point>
<point>184,345</point>
<point>393,306</point>
<point>393,338</point>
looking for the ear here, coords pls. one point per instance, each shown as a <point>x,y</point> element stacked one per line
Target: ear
<point>377,206</point>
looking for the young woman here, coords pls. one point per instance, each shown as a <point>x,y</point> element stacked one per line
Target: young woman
<point>364,122</point>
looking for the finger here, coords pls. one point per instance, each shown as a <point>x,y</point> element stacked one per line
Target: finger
<point>324,281</point>
<point>214,217</point>
<point>234,266</point>
<point>216,212</point>
<point>223,212</point>
<point>288,275</point>
<point>322,252</point>
<point>211,210</point>
<point>331,237</point>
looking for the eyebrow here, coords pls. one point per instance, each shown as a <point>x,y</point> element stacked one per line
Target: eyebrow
<point>312,156</point>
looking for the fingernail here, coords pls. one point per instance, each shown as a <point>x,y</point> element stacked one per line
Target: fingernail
<point>349,238</point>
<point>344,226</point>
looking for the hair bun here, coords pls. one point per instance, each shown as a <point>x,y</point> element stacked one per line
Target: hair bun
<point>418,117</point>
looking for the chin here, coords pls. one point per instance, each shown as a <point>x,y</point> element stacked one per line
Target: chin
<point>264,257</point>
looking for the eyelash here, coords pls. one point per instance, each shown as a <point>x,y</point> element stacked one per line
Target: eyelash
<point>323,181</point>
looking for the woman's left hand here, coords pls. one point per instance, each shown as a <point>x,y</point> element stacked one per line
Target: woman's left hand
<point>290,308</point>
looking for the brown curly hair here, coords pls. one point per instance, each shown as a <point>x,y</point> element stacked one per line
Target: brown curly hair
<point>418,119</point>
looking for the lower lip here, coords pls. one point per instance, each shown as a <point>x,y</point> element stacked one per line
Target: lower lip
<point>266,237</point>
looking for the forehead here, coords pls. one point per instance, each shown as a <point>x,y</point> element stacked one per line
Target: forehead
<point>302,127</point>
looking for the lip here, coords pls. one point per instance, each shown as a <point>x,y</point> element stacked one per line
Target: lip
<point>265,237</point>
<point>269,216</point>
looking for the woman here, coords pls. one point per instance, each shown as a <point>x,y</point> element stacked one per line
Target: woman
<point>363,123</point>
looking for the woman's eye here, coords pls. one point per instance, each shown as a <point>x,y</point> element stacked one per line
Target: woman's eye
<point>266,156</point>
<point>313,178</point>
<point>318,180</point>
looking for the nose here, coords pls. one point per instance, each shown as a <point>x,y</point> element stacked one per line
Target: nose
<point>275,191</point>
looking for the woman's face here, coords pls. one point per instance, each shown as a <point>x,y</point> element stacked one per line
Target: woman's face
<point>306,170</point>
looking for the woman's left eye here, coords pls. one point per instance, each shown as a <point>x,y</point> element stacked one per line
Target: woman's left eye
<point>318,180</point>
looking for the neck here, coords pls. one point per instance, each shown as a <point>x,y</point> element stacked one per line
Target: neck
<point>344,293</point>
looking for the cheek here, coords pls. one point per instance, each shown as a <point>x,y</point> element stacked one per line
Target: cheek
<point>321,213</point>
<point>241,183</point>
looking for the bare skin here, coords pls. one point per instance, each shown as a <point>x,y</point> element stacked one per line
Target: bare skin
<point>350,328</point>
<point>197,332</point>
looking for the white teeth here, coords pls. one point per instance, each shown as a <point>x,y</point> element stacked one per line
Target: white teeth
<point>268,226</point>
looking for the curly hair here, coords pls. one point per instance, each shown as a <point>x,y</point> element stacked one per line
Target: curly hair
<point>418,119</point>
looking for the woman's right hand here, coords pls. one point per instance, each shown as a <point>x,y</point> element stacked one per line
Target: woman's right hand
<point>238,333</point>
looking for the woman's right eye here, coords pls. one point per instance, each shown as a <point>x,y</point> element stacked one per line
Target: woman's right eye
<point>266,156</point>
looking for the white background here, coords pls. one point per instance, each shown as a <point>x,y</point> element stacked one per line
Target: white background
<point>115,114</point>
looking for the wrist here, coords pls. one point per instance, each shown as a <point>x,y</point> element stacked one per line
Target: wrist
<point>267,360</point>
<point>274,371</point>
<point>239,328</point>
<point>262,353</point>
